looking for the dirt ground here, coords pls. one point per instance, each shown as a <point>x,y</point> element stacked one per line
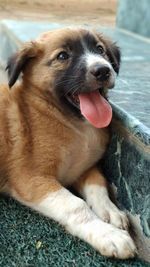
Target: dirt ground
<point>73,11</point>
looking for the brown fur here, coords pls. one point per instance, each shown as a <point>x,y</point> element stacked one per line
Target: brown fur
<point>92,176</point>
<point>41,146</point>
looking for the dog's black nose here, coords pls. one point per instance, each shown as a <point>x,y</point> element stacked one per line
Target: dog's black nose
<point>100,72</point>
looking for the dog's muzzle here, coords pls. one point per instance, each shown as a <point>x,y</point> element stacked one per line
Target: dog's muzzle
<point>100,72</point>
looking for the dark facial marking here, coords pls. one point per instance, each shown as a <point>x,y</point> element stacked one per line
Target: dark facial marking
<point>71,79</point>
<point>112,50</point>
<point>114,56</point>
<point>89,41</point>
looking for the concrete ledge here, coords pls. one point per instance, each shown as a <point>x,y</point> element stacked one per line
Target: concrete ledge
<point>14,33</point>
<point>126,165</point>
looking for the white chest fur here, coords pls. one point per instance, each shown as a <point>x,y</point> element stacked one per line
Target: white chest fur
<point>86,148</point>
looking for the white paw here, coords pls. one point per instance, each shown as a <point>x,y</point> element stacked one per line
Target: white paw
<point>109,213</point>
<point>113,242</point>
<point>117,243</point>
<point>105,209</point>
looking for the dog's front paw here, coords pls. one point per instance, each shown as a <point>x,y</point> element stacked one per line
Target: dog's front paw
<point>109,213</point>
<point>106,210</point>
<point>111,241</point>
<point>117,243</point>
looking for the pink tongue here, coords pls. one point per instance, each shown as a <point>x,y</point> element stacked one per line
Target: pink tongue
<point>95,109</point>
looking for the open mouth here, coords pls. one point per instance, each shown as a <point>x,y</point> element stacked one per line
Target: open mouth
<point>75,101</point>
<point>93,106</point>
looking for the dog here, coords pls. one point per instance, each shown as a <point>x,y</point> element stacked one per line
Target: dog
<point>54,129</point>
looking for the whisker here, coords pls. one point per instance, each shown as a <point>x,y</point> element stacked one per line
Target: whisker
<point>67,80</point>
<point>73,88</point>
<point>64,81</point>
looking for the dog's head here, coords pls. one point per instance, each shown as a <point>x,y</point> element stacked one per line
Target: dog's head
<point>73,66</point>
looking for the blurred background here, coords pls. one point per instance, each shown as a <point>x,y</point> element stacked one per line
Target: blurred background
<point>76,11</point>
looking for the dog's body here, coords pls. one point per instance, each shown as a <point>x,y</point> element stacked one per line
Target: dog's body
<point>36,137</point>
<point>47,145</point>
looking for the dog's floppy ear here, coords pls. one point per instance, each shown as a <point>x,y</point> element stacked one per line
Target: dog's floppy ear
<point>114,55</point>
<point>19,60</point>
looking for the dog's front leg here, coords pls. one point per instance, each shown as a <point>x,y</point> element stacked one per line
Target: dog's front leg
<point>93,188</point>
<point>48,197</point>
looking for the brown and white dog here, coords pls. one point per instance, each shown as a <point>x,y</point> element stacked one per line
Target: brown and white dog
<point>53,131</point>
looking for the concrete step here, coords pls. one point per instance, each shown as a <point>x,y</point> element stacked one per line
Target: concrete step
<point>127,162</point>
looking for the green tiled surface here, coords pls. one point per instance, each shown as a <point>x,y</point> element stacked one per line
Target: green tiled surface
<point>22,229</point>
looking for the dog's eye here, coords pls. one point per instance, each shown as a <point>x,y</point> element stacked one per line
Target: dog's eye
<point>100,49</point>
<point>63,56</point>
